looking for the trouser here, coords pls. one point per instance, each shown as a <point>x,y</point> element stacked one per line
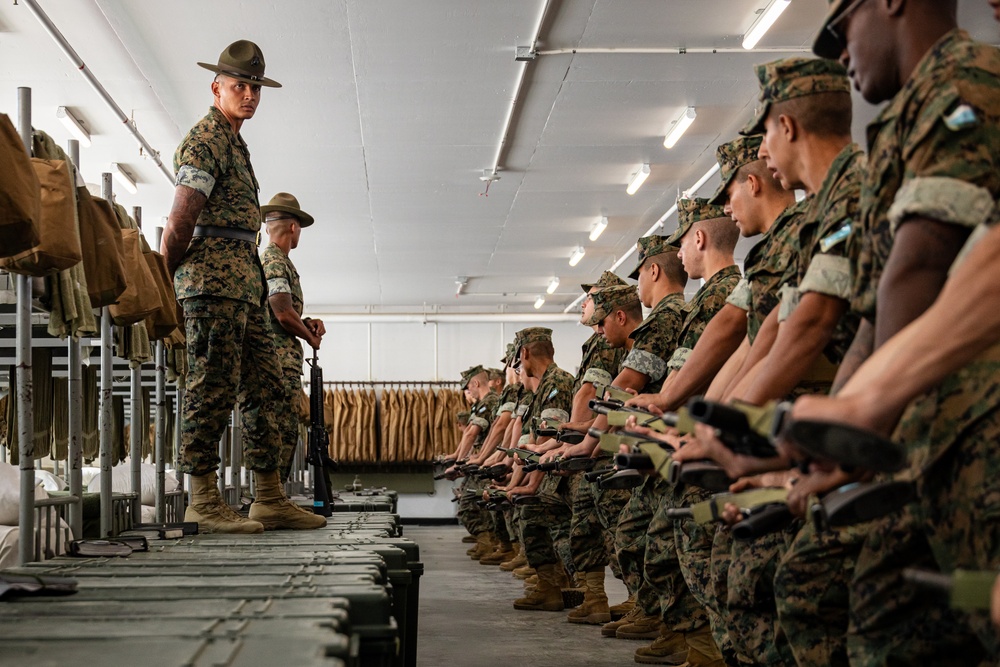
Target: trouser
<point>230,356</point>
<point>475,518</point>
<point>608,506</point>
<point>545,527</point>
<point>811,591</point>
<point>955,524</point>
<point>751,617</point>
<point>287,413</point>
<point>630,540</point>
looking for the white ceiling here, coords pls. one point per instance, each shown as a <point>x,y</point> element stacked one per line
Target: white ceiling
<point>392,109</point>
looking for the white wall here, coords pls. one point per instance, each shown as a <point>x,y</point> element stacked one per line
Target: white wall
<point>406,351</point>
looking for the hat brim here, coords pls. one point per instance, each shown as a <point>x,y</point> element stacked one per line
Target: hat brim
<point>635,274</point>
<point>721,195</point>
<point>586,288</point>
<point>263,81</point>
<point>756,125</point>
<point>824,45</point>
<point>304,218</point>
<point>676,237</point>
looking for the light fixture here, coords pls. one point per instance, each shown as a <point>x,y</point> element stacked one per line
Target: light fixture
<point>123,177</point>
<point>577,255</point>
<point>680,127</point>
<point>460,284</point>
<point>764,22</point>
<point>599,228</point>
<point>539,302</point>
<point>553,285</point>
<point>74,126</point>
<point>638,179</point>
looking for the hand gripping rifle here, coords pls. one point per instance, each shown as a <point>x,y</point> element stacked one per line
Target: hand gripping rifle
<point>318,455</point>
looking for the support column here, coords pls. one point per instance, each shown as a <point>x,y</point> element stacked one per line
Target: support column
<point>106,387</point>
<point>23,390</point>
<point>74,464</point>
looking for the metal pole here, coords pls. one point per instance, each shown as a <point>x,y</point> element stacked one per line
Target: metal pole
<point>437,374</point>
<point>178,400</point>
<point>74,465</point>
<point>369,351</point>
<point>236,451</point>
<point>223,445</point>
<point>136,407</point>
<point>106,387</point>
<point>25,413</point>
<point>161,433</point>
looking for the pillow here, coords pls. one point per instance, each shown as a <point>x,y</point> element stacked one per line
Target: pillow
<point>10,494</point>
<point>121,481</point>
<point>49,481</point>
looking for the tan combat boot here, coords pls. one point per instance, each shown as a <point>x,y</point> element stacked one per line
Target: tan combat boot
<point>594,610</point>
<point>702,650</point>
<point>484,545</point>
<point>469,539</point>
<point>619,610</point>
<point>642,626</point>
<point>546,596</point>
<point>611,629</point>
<point>275,511</point>
<point>524,571</point>
<point>212,513</point>
<point>503,552</point>
<point>670,648</point>
<point>517,561</point>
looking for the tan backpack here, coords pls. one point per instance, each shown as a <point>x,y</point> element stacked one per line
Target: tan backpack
<point>101,241</point>
<point>20,200</point>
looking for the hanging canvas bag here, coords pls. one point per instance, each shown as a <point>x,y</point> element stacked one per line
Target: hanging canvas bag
<point>20,200</point>
<point>141,297</point>
<point>102,245</point>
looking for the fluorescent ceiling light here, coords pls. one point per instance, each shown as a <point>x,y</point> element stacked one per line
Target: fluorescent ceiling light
<point>680,127</point>
<point>638,179</point>
<point>577,255</point>
<point>123,177</point>
<point>553,285</point>
<point>539,302</point>
<point>764,22</point>
<point>74,126</point>
<point>599,228</point>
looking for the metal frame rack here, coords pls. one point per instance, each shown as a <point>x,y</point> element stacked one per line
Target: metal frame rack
<point>117,510</point>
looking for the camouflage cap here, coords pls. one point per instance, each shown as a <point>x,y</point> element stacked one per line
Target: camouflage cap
<point>508,354</point>
<point>826,44</point>
<point>471,373</point>
<point>532,335</point>
<point>610,299</point>
<point>494,373</point>
<point>650,246</point>
<point>690,211</point>
<point>731,156</point>
<point>789,78</point>
<point>608,279</point>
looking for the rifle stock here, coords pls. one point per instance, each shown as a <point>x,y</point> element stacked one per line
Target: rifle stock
<point>318,452</point>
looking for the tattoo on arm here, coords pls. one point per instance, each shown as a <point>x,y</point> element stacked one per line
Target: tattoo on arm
<point>187,206</point>
<point>861,348</point>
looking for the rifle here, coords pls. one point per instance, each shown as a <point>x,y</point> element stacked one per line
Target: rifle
<point>856,503</point>
<point>968,590</point>
<point>708,475</point>
<point>744,429</point>
<point>711,509</point>
<point>318,455</point>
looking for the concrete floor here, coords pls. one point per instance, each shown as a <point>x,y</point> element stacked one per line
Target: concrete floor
<point>467,620</point>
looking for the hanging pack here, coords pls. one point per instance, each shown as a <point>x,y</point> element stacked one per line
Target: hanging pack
<point>102,245</point>
<point>58,246</point>
<point>162,322</point>
<point>141,297</point>
<point>20,200</point>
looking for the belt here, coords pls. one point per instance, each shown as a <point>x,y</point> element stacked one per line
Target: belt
<point>228,233</point>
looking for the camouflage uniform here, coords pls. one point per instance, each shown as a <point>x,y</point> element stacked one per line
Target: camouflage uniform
<point>678,552</point>
<point>811,583</point>
<point>595,510</point>
<point>475,518</point>
<point>282,278</point>
<point>545,526</point>
<point>653,344</point>
<point>933,151</point>
<point>220,284</point>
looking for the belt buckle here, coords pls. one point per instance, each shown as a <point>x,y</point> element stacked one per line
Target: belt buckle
<point>257,240</point>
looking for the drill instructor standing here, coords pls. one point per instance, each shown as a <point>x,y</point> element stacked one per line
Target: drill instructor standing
<point>210,244</point>
<point>285,221</point>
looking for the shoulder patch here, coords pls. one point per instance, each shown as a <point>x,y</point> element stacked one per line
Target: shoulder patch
<point>836,237</point>
<point>551,394</point>
<point>963,117</point>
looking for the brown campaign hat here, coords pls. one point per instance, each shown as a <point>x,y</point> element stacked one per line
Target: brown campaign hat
<point>286,203</point>
<point>243,60</point>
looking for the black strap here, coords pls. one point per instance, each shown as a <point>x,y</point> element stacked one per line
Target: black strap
<point>228,233</point>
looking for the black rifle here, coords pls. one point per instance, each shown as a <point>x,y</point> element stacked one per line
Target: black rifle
<point>318,455</point>
<point>734,427</point>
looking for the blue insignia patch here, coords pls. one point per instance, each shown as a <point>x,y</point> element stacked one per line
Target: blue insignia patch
<point>962,117</point>
<point>833,239</point>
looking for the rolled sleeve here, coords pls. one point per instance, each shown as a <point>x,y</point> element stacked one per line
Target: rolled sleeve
<point>947,200</point>
<point>555,415</point>
<point>196,179</point>
<point>678,358</point>
<point>278,285</point>
<point>830,275</point>
<point>740,296</point>
<point>646,363</point>
<point>480,422</point>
